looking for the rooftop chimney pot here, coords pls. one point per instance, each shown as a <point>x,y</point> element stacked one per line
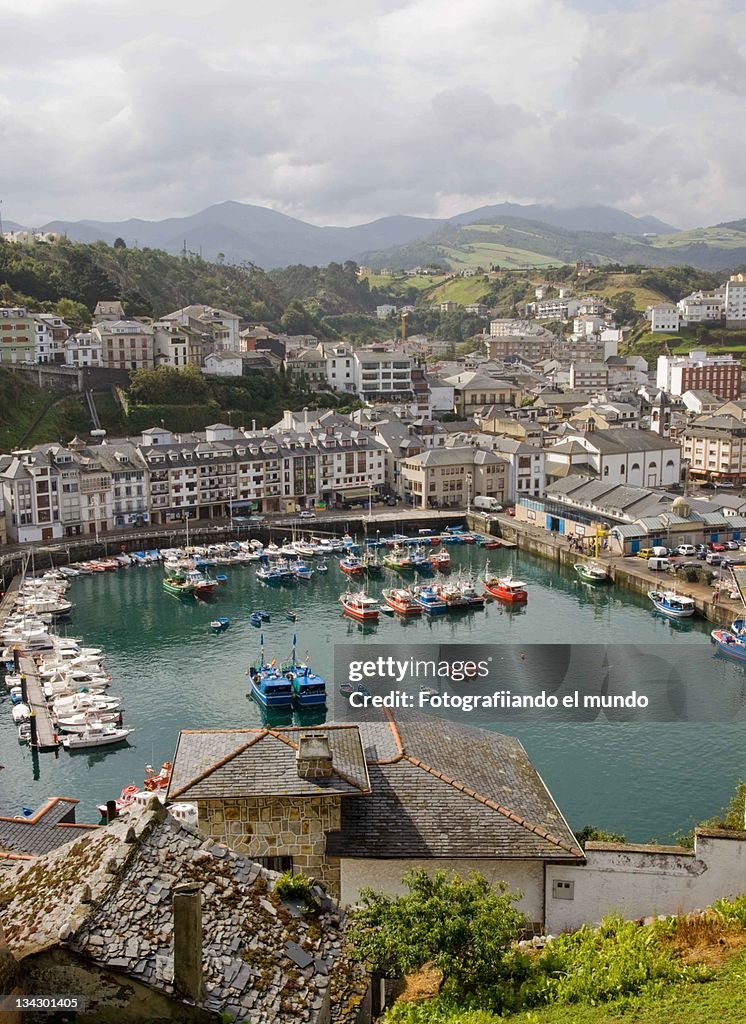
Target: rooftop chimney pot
<point>314,758</point>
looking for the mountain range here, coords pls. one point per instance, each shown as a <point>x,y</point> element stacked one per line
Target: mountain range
<point>241,232</point>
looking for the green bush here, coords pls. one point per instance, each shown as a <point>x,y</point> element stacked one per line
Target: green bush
<point>733,912</point>
<point>614,961</point>
<point>437,1011</point>
<point>293,887</point>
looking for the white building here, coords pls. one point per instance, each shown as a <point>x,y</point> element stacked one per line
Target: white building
<point>380,374</point>
<point>638,458</point>
<point>340,368</point>
<point>735,301</point>
<point>224,326</point>
<point>223,364</point>
<point>83,349</point>
<point>556,309</point>
<point>702,307</point>
<point>663,317</point>
<point>384,311</point>
<point>51,334</point>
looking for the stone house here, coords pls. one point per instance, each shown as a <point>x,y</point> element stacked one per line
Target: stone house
<point>361,804</point>
<point>148,920</point>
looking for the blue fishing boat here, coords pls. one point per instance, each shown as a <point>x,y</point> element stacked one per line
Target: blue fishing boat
<point>431,601</point>
<point>221,578</point>
<point>269,686</point>
<point>731,642</point>
<point>268,575</point>
<point>309,689</point>
<point>220,624</point>
<point>301,571</point>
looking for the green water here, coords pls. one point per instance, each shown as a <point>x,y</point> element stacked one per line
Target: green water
<point>644,780</point>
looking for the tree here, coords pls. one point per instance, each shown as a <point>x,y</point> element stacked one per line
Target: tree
<point>463,926</point>
<point>75,314</point>
<point>119,243</point>
<point>624,307</point>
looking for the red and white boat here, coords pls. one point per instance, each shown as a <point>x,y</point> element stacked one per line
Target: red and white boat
<point>158,780</point>
<point>440,560</point>
<point>128,795</point>
<point>402,601</point>
<point>359,606</point>
<point>505,588</point>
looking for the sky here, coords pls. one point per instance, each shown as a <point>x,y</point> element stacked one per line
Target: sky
<point>339,113</point>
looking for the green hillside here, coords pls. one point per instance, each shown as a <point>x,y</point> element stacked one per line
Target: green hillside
<point>514,243</point>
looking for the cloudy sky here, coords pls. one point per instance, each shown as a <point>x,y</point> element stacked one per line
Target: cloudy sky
<point>339,112</point>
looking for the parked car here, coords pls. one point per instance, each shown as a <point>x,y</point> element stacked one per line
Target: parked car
<point>715,546</point>
<point>686,549</point>
<point>732,545</point>
<point>391,501</point>
<point>306,513</point>
<point>645,553</point>
<point>257,518</point>
<point>713,558</point>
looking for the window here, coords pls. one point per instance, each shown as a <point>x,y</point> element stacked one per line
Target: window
<point>563,890</point>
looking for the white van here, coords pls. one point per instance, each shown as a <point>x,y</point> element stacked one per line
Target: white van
<point>660,552</point>
<point>659,564</point>
<point>487,504</point>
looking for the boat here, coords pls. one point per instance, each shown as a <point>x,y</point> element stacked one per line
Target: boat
<point>221,579</point>
<point>301,571</point>
<point>178,586</point>
<point>430,601</point>
<point>371,563</point>
<point>81,722</point>
<point>123,801</point>
<point>291,614</point>
<point>674,605</point>
<point>309,689</point>
<point>402,601</point>
<point>264,614</point>
<point>351,565</point>
<point>505,588</point>
<point>268,575</point>
<point>203,585</point>
<point>322,567</point>
<point>346,689</point>
<point>269,686</point>
<point>359,606</point>
<point>255,618</point>
<point>441,560</point>
<point>220,623</point>
<point>590,573</point>
<point>97,734</point>
<point>158,781</point>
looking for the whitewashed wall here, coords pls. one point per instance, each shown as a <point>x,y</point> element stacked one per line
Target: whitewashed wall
<point>640,881</point>
<point>386,876</point>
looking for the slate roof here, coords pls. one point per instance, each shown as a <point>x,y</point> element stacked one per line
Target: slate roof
<point>445,790</point>
<point>232,763</point>
<point>51,826</point>
<point>252,946</point>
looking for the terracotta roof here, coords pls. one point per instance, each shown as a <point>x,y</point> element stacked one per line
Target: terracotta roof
<point>213,764</point>
<point>445,790</point>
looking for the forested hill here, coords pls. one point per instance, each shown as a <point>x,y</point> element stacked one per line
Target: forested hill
<point>148,282</point>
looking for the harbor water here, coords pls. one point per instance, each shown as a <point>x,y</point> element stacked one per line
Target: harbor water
<point>648,781</point>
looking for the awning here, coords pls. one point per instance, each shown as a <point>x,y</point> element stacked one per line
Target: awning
<point>353,492</point>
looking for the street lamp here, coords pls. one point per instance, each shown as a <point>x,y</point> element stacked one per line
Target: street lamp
<point>468,493</point>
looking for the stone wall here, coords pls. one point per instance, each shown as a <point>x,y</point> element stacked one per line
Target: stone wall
<point>279,827</point>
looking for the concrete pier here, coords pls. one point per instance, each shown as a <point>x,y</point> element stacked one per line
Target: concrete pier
<point>42,725</point>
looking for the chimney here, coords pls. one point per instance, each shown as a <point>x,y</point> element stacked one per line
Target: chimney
<point>187,904</point>
<point>314,758</point>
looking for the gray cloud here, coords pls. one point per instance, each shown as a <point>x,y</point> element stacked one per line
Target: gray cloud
<point>339,114</point>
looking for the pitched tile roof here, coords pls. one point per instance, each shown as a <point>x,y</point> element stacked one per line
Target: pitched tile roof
<point>213,764</point>
<point>51,826</point>
<point>108,899</point>
<point>443,790</point>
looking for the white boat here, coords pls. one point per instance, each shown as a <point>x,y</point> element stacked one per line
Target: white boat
<point>80,702</point>
<point>21,713</point>
<point>674,605</point>
<point>96,735</point>
<point>82,722</point>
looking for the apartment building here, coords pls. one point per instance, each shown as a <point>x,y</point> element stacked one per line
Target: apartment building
<point>702,307</point>
<point>531,347</point>
<point>715,449</point>
<point>51,334</point>
<point>382,375</point>
<point>83,349</point>
<point>447,477</point>
<point>664,317</point>
<point>223,326</point>
<point>18,330</point>
<point>700,372</point>
<point>735,301</point>
<point>503,327</point>
<point>229,471</point>
<point>590,376</point>
<point>125,344</point>
<point>555,309</point>
<point>526,473</point>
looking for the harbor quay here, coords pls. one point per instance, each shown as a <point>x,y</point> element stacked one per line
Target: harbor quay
<point>626,571</point>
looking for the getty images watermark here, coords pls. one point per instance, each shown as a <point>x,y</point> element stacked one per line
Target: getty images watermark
<point>540,682</point>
